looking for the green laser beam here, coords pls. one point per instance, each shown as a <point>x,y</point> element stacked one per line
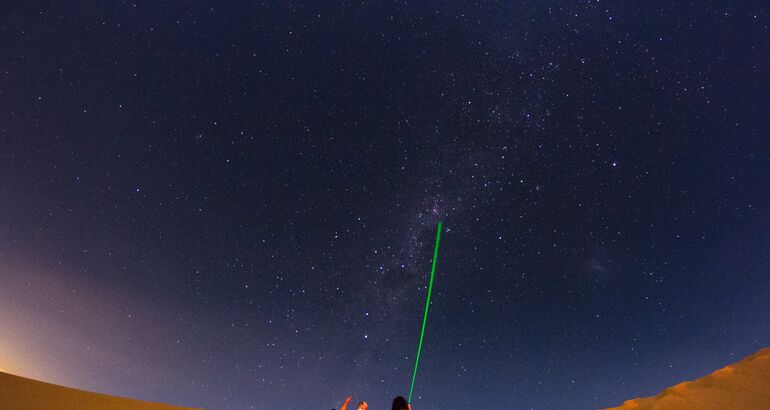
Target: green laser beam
<point>427,304</point>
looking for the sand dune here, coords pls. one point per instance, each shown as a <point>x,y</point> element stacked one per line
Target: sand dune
<point>743,385</point>
<point>19,393</point>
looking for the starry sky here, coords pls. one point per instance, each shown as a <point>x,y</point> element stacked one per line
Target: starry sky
<point>233,204</point>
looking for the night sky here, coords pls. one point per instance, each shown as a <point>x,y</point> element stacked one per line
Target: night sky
<point>234,205</point>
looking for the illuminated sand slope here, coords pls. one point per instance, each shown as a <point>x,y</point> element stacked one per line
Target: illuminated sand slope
<point>19,393</point>
<point>743,385</point>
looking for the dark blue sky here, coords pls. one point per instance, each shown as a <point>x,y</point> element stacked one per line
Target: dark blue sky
<point>233,205</point>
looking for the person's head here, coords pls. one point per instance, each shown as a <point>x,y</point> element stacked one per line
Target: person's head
<point>399,403</point>
<point>363,406</point>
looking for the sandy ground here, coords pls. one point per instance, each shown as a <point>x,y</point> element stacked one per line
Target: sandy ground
<point>19,393</point>
<point>743,385</point>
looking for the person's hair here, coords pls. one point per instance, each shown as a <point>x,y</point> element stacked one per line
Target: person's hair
<point>399,403</point>
<point>362,403</point>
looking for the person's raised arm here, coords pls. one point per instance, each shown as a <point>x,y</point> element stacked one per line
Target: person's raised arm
<point>345,404</point>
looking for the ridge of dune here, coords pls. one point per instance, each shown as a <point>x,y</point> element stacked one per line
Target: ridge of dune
<point>743,385</point>
<point>20,393</point>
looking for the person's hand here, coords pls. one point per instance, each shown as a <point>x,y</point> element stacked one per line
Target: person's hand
<point>348,399</point>
<point>410,406</point>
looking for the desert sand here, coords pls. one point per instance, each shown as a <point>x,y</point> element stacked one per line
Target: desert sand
<point>19,393</point>
<point>743,385</point>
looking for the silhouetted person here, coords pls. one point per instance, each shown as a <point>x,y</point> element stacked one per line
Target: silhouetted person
<point>362,405</point>
<point>399,403</point>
